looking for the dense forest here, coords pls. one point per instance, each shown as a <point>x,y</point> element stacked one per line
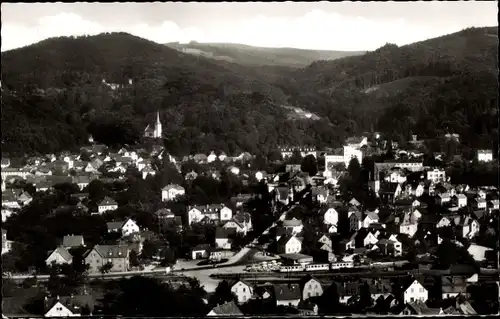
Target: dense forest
<point>53,95</point>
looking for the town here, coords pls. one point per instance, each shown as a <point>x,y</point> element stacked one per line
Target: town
<point>371,228</point>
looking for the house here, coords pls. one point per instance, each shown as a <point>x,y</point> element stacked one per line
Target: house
<point>212,157</point>
<point>24,198</point>
<point>200,251</point>
<point>212,213</point>
<point>103,254</point>
<point>287,294</point>
<point>355,219</point>
<point>363,238</point>
<point>398,246</point>
<point>385,247</point>
<point>289,244</point>
<point>480,203</point>
<point>468,227</point>
<point>444,222</point>
<point>370,218</point>
<point>223,237</point>
<point>310,287</point>
<point>414,291</point>
<point>390,191</point>
<point>59,256</point>
<point>418,308</point>
<point>72,241</point>
<point>325,240</point>
<point>242,290</point>
<point>63,306</point>
<point>6,244</point>
<point>107,204</point>
<point>126,228</point>
<point>436,175</point>
<point>242,222</point>
<point>293,225</point>
<point>227,309</point>
<point>443,198</point>
<point>460,200</point>
<point>452,286</point>
<point>494,204</point>
<point>346,290</point>
<point>171,191</point>
<point>484,155</point>
<point>307,308</point>
<point>330,216</point>
<point>222,156</point>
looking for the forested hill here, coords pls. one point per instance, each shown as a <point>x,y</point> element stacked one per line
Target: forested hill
<point>258,56</point>
<point>53,95</point>
<point>445,84</point>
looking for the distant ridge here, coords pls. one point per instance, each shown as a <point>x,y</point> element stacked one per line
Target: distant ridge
<point>260,56</point>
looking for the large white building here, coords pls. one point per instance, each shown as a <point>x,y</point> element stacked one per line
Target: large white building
<point>484,155</point>
<point>156,131</point>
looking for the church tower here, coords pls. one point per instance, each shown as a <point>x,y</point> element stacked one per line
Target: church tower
<point>158,131</point>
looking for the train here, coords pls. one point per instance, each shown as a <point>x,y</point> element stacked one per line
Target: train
<point>316,267</point>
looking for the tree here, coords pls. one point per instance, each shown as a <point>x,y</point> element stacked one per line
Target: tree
<point>149,249</point>
<point>365,296</point>
<point>104,269</point>
<point>354,169</point>
<point>309,165</point>
<point>329,301</point>
<point>296,158</point>
<point>133,258</point>
<point>222,295</point>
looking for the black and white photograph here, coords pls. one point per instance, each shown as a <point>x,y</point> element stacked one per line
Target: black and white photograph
<point>250,159</point>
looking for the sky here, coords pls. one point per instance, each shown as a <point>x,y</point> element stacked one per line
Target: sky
<point>344,26</point>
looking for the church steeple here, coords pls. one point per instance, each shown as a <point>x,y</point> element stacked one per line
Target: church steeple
<point>158,129</point>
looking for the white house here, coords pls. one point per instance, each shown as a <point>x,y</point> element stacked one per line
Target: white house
<point>289,244</point>
<point>443,222</point>
<point>220,213</point>
<point>107,204</point>
<point>398,246</point>
<point>311,287</point>
<point>415,291</point>
<point>171,191</point>
<point>460,200</point>
<point>294,225</point>
<point>396,176</point>
<point>242,290</point>
<point>212,157</point>
<point>484,155</point>
<point>331,216</point>
<point>350,153</point>
<point>369,219</point>
<point>369,240</point>
<point>59,256</point>
<point>436,175</point>
<point>60,310</point>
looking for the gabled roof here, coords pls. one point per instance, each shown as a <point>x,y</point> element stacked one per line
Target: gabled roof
<point>107,201</point>
<point>73,241</point>
<point>287,292</point>
<point>115,225</point>
<point>172,186</point>
<point>221,233</point>
<point>110,251</point>
<point>292,222</point>
<point>229,308</point>
<point>63,253</point>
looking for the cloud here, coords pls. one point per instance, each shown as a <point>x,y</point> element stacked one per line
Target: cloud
<point>314,30</point>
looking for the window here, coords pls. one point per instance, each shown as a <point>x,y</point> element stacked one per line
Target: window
<point>244,290</point>
<point>412,299</point>
<point>411,290</point>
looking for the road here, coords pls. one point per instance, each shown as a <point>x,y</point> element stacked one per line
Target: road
<point>204,275</point>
